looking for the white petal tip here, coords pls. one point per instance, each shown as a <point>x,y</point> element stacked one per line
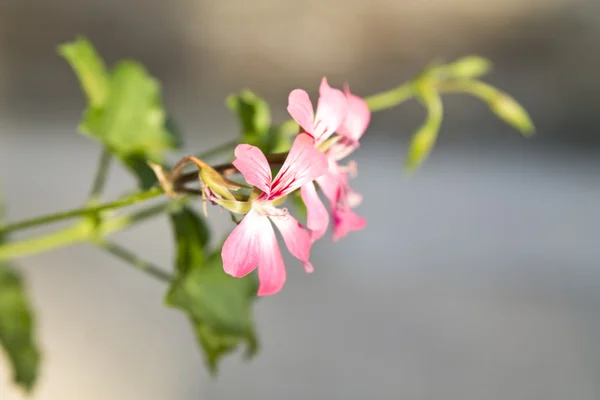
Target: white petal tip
<point>308,268</point>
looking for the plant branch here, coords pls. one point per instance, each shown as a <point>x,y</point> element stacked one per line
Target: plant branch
<point>101,176</point>
<point>135,261</point>
<point>88,210</point>
<point>84,230</point>
<point>390,98</point>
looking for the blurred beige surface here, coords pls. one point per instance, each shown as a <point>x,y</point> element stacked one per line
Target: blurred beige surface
<point>484,283</point>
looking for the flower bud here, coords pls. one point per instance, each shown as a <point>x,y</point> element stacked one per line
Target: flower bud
<point>511,112</point>
<point>470,67</point>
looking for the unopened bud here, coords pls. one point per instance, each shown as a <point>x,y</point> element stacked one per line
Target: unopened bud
<point>469,67</point>
<point>216,183</point>
<point>420,146</point>
<point>511,112</point>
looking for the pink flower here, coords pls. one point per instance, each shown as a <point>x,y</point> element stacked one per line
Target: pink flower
<point>331,111</point>
<point>358,117</point>
<point>334,183</point>
<point>253,243</point>
<point>344,219</point>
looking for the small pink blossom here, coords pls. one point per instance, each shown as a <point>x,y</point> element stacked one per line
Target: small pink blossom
<point>344,219</point>
<point>332,109</point>
<point>358,117</point>
<point>335,183</point>
<point>253,243</point>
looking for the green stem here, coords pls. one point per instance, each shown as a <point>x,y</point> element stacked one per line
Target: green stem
<point>98,184</point>
<point>475,88</point>
<point>82,231</point>
<point>390,98</point>
<point>88,210</point>
<point>132,259</point>
<point>101,176</point>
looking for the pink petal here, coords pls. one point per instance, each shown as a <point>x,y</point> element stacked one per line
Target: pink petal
<point>301,109</point>
<point>358,118</point>
<point>243,247</point>
<point>330,184</point>
<point>303,164</point>
<point>353,198</point>
<point>271,270</point>
<point>317,215</point>
<point>331,111</point>
<point>343,148</point>
<point>253,164</point>
<point>344,221</point>
<point>296,238</point>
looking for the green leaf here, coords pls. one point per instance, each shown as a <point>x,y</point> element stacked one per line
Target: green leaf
<point>215,298</point>
<point>137,165</point>
<point>255,118</point>
<point>90,69</point>
<point>218,305</point>
<point>282,136</point>
<point>125,110</point>
<point>17,327</point>
<point>192,236</point>
<point>174,132</point>
<point>216,346</point>
<point>424,139</point>
<point>133,119</point>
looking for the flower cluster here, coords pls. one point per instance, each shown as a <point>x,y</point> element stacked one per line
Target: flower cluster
<point>315,156</point>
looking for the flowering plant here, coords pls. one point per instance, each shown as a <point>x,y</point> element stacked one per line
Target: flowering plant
<point>302,160</point>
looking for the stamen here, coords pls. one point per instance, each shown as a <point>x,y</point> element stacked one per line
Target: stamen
<point>351,168</point>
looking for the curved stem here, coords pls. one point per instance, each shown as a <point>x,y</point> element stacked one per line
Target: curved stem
<point>101,175</point>
<point>82,231</point>
<point>135,261</point>
<point>390,98</point>
<point>89,210</point>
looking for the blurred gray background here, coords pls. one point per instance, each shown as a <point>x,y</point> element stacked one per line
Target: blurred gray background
<point>477,278</point>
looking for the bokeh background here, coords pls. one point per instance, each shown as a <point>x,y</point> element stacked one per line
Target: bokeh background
<point>477,278</point>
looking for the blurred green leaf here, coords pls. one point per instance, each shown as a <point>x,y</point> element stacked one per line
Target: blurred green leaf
<point>424,139</point>
<point>212,297</point>
<point>174,132</point>
<point>137,165</point>
<point>216,345</point>
<point>191,236</point>
<point>282,136</point>
<point>133,119</point>
<point>254,116</point>
<point>17,327</point>
<point>125,110</point>
<point>218,305</point>
<point>90,69</point>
